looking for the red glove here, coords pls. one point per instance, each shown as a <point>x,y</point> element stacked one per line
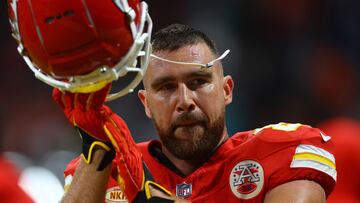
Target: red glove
<point>99,126</point>
<point>86,112</point>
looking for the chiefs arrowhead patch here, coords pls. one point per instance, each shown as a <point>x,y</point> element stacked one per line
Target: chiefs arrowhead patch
<point>246,179</point>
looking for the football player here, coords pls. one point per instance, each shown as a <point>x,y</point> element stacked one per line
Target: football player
<point>194,159</point>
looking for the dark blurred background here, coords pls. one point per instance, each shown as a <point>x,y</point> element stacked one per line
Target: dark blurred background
<point>292,61</point>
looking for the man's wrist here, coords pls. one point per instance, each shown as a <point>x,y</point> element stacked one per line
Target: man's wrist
<point>90,144</point>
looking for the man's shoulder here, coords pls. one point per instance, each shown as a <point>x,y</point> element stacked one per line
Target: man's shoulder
<point>143,147</point>
<point>145,144</point>
<point>300,152</point>
<point>283,133</point>
<point>284,141</point>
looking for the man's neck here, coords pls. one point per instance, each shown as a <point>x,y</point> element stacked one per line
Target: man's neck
<point>187,167</point>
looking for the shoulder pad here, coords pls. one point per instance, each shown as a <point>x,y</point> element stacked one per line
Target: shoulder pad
<point>285,132</point>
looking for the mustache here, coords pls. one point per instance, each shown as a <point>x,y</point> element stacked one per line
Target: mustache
<point>189,118</point>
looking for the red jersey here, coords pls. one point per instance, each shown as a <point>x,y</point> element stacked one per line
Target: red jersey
<point>10,191</point>
<point>345,134</point>
<point>248,165</point>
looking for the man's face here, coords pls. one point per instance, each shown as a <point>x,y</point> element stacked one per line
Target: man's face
<point>187,103</point>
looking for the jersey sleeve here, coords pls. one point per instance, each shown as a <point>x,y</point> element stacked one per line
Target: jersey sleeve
<point>300,153</point>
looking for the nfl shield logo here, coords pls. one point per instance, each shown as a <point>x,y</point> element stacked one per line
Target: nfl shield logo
<point>183,190</point>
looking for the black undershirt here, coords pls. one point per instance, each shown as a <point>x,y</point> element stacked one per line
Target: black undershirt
<point>155,151</point>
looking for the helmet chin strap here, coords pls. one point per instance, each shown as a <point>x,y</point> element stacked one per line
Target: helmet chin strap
<point>208,65</point>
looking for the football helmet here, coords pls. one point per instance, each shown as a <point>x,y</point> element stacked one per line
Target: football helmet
<point>81,45</point>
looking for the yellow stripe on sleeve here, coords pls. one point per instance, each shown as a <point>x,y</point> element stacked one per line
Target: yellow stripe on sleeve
<point>314,157</point>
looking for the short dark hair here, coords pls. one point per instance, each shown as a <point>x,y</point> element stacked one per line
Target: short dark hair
<point>176,36</point>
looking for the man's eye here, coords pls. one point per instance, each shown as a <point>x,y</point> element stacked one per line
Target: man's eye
<point>196,83</point>
<point>167,87</point>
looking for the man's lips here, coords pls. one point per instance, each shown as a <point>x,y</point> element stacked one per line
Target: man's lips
<point>188,120</point>
<point>186,123</point>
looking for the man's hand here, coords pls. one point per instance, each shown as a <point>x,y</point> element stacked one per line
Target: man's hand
<point>100,127</point>
<point>87,112</point>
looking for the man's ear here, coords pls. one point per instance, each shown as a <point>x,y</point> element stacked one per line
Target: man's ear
<point>228,89</point>
<point>142,97</point>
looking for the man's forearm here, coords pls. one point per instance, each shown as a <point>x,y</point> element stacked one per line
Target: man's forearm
<point>89,185</point>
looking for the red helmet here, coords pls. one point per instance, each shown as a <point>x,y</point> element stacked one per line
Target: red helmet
<point>81,45</point>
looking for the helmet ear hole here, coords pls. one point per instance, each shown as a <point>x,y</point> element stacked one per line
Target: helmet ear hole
<point>69,13</point>
<point>69,44</point>
<point>49,20</point>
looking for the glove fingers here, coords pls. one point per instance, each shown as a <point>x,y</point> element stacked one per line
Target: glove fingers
<point>68,100</point>
<point>98,98</point>
<point>82,101</point>
<point>57,96</point>
<point>64,99</point>
<point>93,100</point>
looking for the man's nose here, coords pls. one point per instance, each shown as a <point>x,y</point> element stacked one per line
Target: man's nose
<point>185,99</point>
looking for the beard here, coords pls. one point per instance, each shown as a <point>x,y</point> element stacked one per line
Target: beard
<point>195,141</point>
